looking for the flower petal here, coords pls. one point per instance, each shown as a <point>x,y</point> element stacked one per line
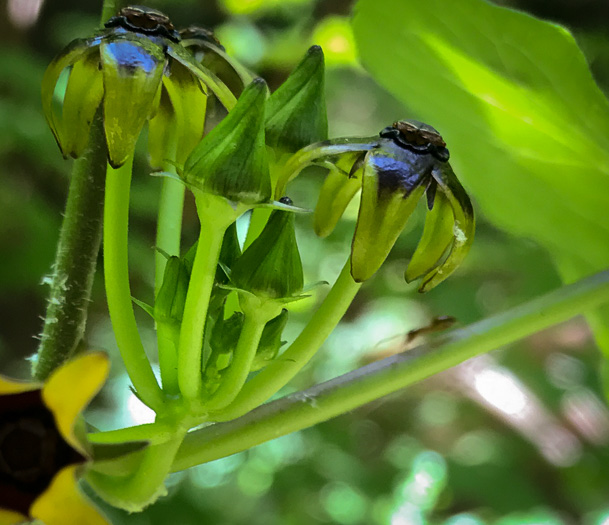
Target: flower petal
<point>132,72</point>
<point>65,59</point>
<point>336,193</point>
<point>10,386</point>
<point>189,102</point>
<point>83,96</point>
<point>216,86</point>
<point>384,210</point>
<point>464,226</point>
<point>437,237</point>
<point>70,389</point>
<point>63,503</point>
<point>8,517</point>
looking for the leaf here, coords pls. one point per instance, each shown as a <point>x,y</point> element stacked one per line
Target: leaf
<point>527,126</point>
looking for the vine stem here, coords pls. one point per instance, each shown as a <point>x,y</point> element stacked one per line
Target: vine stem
<point>145,486</point>
<point>371,382</point>
<point>76,257</point>
<point>118,290</point>
<point>278,373</point>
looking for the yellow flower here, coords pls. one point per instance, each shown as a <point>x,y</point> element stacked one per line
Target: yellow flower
<point>41,452</point>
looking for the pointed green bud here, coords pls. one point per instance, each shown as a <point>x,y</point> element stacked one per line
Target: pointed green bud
<point>223,341</point>
<point>170,300</point>
<point>394,179</point>
<point>270,341</point>
<point>271,267</point>
<point>232,161</point>
<point>296,113</point>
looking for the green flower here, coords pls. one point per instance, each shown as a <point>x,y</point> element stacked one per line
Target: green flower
<point>43,452</point>
<point>131,67</point>
<point>393,171</point>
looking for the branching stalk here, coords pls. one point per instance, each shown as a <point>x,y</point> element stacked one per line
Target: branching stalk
<point>371,382</point>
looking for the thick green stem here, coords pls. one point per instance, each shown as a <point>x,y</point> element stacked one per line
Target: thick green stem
<point>76,258</point>
<point>245,352</point>
<point>169,225</point>
<point>168,335</point>
<point>146,484</point>
<point>215,216</point>
<point>278,373</point>
<point>118,290</point>
<point>371,382</point>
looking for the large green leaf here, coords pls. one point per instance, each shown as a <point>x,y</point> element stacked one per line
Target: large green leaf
<point>527,126</point>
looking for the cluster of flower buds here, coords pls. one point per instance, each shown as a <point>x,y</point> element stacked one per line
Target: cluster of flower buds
<point>393,171</point>
<point>136,68</point>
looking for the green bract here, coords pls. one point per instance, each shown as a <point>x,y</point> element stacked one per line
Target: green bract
<point>296,113</point>
<point>231,161</point>
<point>393,171</point>
<point>129,72</point>
<point>270,268</point>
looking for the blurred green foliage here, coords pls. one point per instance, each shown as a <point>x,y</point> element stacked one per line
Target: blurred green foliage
<point>376,465</point>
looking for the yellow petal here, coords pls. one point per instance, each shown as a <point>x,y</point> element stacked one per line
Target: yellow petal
<point>10,386</point>
<point>8,517</point>
<point>63,504</point>
<point>70,389</point>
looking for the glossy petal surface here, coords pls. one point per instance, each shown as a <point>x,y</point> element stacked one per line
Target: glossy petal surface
<point>63,504</point>
<point>70,389</point>
<point>464,225</point>
<point>393,183</point>
<point>438,234</point>
<point>83,95</point>
<point>73,52</point>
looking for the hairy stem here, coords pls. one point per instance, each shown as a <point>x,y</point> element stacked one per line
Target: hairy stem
<point>371,382</point>
<point>76,258</point>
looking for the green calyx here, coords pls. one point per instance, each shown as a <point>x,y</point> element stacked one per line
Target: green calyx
<point>270,268</point>
<point>231,161</point>
<point>296,113</point>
